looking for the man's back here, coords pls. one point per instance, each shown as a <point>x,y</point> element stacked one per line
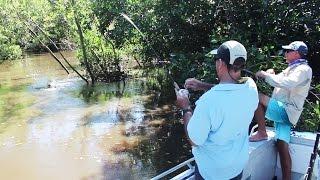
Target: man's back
<point>219,127</point>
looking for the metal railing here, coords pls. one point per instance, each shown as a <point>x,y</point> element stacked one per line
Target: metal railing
<point>185,163</point>
<point>308,175</point>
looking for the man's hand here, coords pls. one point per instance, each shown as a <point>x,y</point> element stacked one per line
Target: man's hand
<point>270,71</point>
<point>261,74</point>
<point>192,83</point>
<point>197,85</point>
<point>182,101</point>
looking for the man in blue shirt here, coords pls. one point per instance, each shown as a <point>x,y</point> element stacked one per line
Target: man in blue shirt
<point>218,126</point>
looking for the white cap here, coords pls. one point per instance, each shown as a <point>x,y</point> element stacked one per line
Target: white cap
<point>229,51</point>
<point>299,46</point>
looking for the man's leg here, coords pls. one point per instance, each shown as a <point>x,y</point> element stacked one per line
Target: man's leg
<point>197,174</point>
<point>285,159</point>
<point>259,116</point>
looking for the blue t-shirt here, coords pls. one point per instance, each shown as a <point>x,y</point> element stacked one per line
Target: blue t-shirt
<point>219,128</point>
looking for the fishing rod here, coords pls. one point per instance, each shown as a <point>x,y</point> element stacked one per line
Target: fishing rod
<point>126,17</point>
<point>261,86</point>
<point>250,73</point>
<point>315,152</point>
<point>313,156</point>
<point>178,90</point>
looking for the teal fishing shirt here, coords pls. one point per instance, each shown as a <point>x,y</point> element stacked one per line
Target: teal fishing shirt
<point>219,128</point>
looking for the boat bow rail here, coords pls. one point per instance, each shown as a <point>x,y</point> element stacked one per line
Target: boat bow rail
<point>189,173</point>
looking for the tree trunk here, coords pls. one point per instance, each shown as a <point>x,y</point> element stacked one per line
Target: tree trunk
<point>116,56</point>
<point>84,52</point>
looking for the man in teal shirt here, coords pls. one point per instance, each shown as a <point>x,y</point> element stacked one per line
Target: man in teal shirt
<point>218,126</point>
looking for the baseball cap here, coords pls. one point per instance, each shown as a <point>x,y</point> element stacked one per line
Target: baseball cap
<point>229,51</point>
<point>299,46</point>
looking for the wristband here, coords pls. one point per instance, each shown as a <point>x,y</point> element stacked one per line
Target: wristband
<point>184,111</point>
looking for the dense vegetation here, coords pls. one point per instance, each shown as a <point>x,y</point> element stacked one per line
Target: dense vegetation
<point>179,32</point>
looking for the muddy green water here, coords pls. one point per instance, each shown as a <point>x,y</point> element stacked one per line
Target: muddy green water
<point>52,126</point>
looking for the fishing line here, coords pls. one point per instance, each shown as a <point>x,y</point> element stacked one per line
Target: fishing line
<point>256,79</point>
<point>126,17</point>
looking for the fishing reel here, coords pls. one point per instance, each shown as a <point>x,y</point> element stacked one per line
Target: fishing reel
<point>181,92</point>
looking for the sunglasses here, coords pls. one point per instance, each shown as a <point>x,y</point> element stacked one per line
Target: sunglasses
<point>289,50</point>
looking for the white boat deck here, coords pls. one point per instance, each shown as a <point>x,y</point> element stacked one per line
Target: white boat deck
<point>263,161</point>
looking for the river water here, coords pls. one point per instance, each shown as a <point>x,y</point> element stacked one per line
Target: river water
<point>52,126</point>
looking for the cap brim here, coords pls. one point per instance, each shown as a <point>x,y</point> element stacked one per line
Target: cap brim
<point>286,47</point>
<point>215,51</point>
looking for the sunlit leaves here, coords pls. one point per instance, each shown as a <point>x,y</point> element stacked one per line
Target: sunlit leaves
<point>17,16</point>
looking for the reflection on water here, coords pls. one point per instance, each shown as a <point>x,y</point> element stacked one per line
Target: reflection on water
<point>63,129</point>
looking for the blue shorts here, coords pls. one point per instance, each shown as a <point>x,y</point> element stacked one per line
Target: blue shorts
<point>277,113</point>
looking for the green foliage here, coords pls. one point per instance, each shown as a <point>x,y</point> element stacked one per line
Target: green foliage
<point>8,47</point>
<point>310,117</point>
<point>179,32</point>
<point>103,57</point>
<point>190,29</point>
<point>9,51</point>
<point>17,17</point>
<point>196,65</point>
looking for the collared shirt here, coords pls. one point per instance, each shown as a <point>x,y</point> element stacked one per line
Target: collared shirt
<point>292,87</point>
<point>298,62</point>
<point>219,128</point>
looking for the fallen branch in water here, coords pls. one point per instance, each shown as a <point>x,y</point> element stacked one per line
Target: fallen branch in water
<point>33,34</point>
<point>54,44</point>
